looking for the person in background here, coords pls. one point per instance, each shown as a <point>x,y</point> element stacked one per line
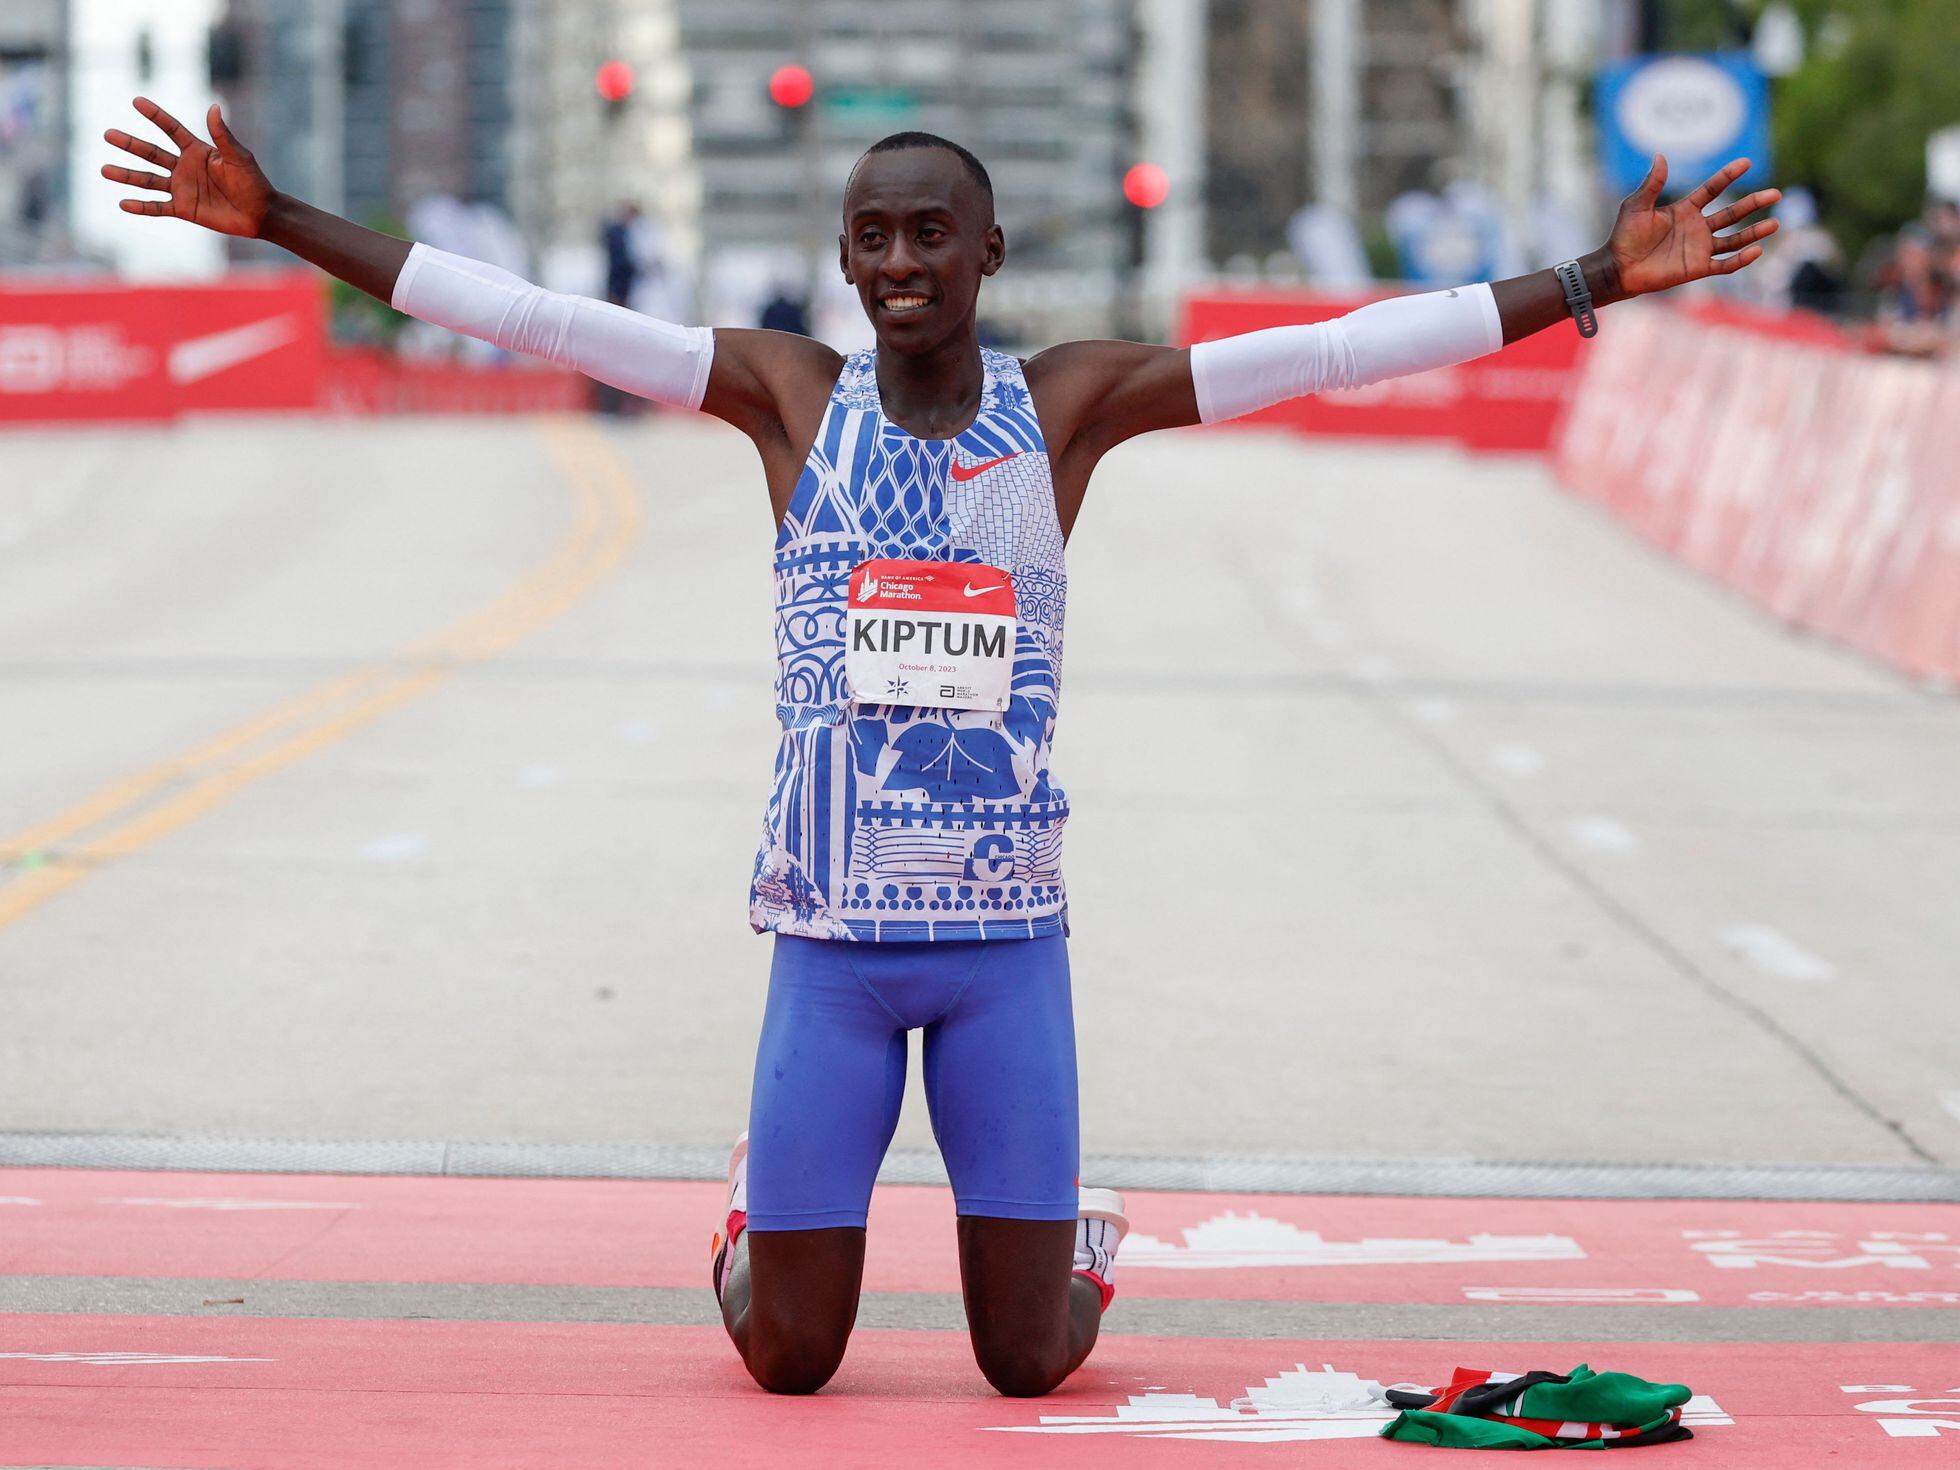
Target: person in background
<point>785,312</point>
<point>1943,226</point>
<point>622,254</point>
<point>1916,315</point>
<point>1802,267</point>
<point>619,236</point>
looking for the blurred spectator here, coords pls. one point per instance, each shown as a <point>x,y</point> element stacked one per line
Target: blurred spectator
<point>1943,226</point>
<point>785,312</point>
<point>1329,248</point>
<point>620,236</point>
<point>1801,265</point>
<point>632,246</point>
<point>1916,306</point>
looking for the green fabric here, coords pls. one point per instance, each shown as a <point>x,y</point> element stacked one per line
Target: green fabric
<point>1619,1399</point>
<point>1461,1432</point>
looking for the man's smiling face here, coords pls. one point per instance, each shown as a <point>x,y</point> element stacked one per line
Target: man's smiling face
<point>919,236</point>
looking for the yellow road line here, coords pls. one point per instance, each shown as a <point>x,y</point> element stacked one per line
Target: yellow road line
<point>170,794</point>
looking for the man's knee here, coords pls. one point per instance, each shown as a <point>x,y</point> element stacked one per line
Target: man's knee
<point>795,1361</point>
<point>1020,1374</point>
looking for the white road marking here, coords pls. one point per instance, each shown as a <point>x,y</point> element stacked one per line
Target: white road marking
<point>1642,1295</point>
<point>637,732</point>
<point>397,847</point>
<point>1433,709</point>
<point>538,778</point>
<point>1517,760</point>
<point>232,1204</point>
<point>1602,834</point>
<point>1775,953</point>
<point>1232,1241</point>
<point>126,1360</point>
<point>1950,1100</point>
<point>17,1199</point>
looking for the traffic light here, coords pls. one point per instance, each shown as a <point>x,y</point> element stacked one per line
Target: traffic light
<point>1146,185</point>
<point>614,81</point>
<point>791,86</point>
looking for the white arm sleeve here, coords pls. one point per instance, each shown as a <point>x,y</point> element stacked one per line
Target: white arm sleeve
<point>1385,339</point>
<point>654,359</point>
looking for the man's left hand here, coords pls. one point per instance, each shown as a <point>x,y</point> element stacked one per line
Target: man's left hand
<point>1655,246</point>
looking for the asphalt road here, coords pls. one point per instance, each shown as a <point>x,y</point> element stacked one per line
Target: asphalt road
<point>371,779</point>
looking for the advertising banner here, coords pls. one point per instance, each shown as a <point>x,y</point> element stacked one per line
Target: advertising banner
<point>1813,478</point>
<point>85,350</point>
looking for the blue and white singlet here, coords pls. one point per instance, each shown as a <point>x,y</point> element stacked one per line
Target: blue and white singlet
<point>894,822</point>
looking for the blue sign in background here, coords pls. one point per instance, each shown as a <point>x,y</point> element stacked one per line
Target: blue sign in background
<point>1701,110</point>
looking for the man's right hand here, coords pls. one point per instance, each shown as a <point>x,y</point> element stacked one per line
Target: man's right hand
<point>222,187</point>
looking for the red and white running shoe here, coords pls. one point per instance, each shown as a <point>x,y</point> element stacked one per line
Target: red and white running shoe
<point>1098,1232</point>
<point>723,1247</point>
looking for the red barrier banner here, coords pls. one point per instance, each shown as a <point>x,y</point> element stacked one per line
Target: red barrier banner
<point>1817,480</point>
<point>111,351</point>
<point>365,380</point>
<point>1510,400</point>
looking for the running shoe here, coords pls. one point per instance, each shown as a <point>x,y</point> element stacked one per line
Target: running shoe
<point>1098,1232</point>
<point>722,1250</point>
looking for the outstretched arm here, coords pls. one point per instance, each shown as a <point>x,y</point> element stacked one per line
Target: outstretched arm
<point>1101,393</point>
<point>755,380</point>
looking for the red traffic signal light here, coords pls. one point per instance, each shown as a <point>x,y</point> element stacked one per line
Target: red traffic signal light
<point>791,85</point>
<point>614,81</point>
<point>1146,185</point>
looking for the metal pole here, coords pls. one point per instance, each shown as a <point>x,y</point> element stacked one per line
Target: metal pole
<point>60,224</point>
<point>327,75</point>
<point>1334,62</point>
<point>809,138</point>
<point>1172,109</point>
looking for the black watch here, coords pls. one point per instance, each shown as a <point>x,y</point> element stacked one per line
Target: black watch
<point>1578,297</point>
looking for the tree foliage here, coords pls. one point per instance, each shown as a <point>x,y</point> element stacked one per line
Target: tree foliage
<point>1879,77</point>
<point>1853,122</point>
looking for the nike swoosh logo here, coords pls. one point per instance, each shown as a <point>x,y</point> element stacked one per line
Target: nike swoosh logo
<point>1449,293</point>
<point>201,357</point>
<point>973,591</point>
<point>966,472</point>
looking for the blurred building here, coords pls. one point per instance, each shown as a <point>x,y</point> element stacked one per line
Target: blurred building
<point>364,106</point>
<point>117,49</point>
<point>367,107</point>
<point>34,48</point>
<point>575,157</point>
<point>1039,89</point>
<point>1256,166</point>
<point>1353,105</point>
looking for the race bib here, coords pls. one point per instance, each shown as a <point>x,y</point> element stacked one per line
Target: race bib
<point>934,633</point>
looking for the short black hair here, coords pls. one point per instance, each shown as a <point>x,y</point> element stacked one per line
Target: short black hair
<point>899,142</point>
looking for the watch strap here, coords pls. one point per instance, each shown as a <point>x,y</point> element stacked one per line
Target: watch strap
<point>1578,297</point>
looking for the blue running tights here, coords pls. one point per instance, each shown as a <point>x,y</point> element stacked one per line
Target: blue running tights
<point>830,1075</point>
